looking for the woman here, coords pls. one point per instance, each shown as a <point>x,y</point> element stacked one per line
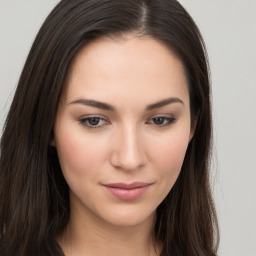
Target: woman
<point>106,146</point>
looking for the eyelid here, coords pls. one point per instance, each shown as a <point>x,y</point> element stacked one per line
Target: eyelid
<point>171,119</point>
<point>168,120</point>
<point>82,120</point>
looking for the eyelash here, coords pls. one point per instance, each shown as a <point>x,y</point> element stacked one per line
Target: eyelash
<point>166,121</point>
<point>85,122</point>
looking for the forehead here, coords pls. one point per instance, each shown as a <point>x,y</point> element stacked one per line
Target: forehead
<point>128,68</point>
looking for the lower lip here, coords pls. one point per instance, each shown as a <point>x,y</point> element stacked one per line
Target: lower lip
<point>127,194</point>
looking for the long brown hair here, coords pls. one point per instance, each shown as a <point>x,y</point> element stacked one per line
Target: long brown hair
<point>34,198</point>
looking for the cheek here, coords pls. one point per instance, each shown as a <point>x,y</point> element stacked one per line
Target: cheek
<point>169,162</point>
<point>168,155</point>
<point>172,154</point>
<point>79,155</point>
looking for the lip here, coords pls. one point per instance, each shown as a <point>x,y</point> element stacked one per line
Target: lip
<point>127,191</point>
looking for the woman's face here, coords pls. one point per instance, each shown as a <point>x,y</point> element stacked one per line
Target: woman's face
<point>122,129</point>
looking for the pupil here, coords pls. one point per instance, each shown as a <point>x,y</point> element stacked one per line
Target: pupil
<point>159,120</point>
<point>94,121</point>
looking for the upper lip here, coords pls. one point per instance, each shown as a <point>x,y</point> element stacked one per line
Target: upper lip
<point>127,185</point>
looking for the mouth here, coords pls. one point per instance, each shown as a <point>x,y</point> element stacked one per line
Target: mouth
<point>125,191</point>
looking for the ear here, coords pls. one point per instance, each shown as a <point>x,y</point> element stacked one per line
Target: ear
<point>193,128</point>
<point>52,143</point>
<point>52,140</point>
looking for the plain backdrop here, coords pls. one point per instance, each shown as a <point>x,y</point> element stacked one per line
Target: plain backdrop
<point>229,29</point>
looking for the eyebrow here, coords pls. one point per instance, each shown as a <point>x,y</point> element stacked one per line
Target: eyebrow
<point>163,103</point>
<point>106,106</point>
<point>93,103</point>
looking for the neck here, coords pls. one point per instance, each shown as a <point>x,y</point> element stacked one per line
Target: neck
<point>87,235</point>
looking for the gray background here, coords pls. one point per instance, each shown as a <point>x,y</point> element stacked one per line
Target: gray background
<point>229,29</point>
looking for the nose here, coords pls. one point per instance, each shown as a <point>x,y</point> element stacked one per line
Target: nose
<point>127,150</point>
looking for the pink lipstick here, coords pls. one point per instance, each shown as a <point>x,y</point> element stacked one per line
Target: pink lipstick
<point>126,191</point>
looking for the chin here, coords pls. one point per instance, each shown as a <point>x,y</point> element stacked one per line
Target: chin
<point>128,217</point>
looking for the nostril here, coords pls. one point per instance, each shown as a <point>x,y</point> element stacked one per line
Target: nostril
<point>127,163</point>
<point>128,159</point>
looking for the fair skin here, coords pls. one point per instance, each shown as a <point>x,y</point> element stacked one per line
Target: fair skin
<point>128,139</point>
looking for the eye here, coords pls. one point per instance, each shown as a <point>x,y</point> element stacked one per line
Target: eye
<point>93,122</point>
<point>161,120</point>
